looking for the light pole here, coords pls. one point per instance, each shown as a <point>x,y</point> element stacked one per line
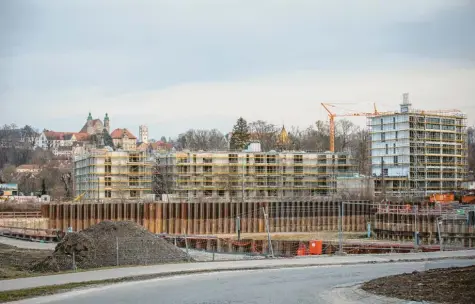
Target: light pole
<point>439,222</point>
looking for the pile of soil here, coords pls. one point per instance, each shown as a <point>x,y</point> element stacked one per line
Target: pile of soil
<point>16,262</point>
<point>452,285</point>
<point>110,244</point>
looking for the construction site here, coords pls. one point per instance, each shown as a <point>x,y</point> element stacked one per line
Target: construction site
<point>279,202</point>
<point>415,153</point>
<point>257,175</point>
<point>106,174</point>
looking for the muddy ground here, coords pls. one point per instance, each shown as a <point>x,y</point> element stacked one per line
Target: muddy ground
<point>452,285</point>
<point>16,262</point>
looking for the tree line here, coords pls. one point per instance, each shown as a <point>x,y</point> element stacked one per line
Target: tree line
<point>349,137</point>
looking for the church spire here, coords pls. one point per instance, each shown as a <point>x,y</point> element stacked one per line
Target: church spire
<point>89,117</point>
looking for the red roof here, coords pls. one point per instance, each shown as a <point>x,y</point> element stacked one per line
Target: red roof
<point>58,135</point>
<point>81,136</point>
<point>94,123</point>
<point>52,135</point>
<point>119,133</point>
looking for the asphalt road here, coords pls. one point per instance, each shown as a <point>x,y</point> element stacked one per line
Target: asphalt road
<point>277,286</point>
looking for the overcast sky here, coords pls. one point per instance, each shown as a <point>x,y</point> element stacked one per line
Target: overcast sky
<point>175,65</point>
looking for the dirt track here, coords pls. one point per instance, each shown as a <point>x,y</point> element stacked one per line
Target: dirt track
<point>453,285</point>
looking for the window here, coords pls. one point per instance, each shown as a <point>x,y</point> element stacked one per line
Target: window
<point>383,137</point>
<point>108,193</point>
<point>221,193</point>
<point>381,124</point>
<point>134,193</point>
<point>271,159</point>
<point>395,135</point>
<point>395,161</point>
<point>298,181</point>
<point>298,159</point>
<point>260,169</point>
<point>259,159</point>
<point>107,181</point>
<point>108,168</point>
<point>208,192</point>
<point>394,122</point>
<point>298,169</point>
<point>233,158</point>
<point>386,148</point>
<point>394,148</point>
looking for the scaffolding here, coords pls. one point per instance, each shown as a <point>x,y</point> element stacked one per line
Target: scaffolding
<point>248,175</point>
<point>105,174</point>
<point>415,152</point>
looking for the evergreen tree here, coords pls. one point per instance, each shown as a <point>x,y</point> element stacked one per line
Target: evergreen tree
<point>240,137</point>
<point>107,139</point>
<point>43,187</point>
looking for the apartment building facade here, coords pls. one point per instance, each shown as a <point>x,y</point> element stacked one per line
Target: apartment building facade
<point>252,175</point>
<point>106,174</point>
<point>416,152</point>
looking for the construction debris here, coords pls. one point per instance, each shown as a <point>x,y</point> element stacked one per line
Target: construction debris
<point>110,244</point>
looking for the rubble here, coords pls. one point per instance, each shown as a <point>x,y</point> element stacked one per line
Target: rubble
<point>110,244</point>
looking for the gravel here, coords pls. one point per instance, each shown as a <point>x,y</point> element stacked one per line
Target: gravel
<point>110,244</point>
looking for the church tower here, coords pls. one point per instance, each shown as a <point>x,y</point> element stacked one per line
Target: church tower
<point>283,140</point>
<point>90,128</point>
<point>143,134</point>
<point>107,123</point>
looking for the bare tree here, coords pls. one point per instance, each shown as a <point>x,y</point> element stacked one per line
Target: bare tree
<point>265,133</point>
<point>344,130</point>
<point>66,179</point>
<point>202,140</point>
<point>29,136</point>
<point>360,149</point>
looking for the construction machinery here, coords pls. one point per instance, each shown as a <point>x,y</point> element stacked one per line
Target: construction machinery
<point>77,198</point>
<point>332,115</point>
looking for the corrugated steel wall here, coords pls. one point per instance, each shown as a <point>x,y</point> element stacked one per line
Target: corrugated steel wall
<point>211,218</point>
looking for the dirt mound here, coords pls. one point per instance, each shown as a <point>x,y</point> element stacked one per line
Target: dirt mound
<point>110,244</point>
<point>452,285</point>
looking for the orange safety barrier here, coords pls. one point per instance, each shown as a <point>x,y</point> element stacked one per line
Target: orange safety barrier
<point>316,247</point>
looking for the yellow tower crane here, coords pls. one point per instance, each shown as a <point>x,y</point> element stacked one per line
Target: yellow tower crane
<point>332,115</point>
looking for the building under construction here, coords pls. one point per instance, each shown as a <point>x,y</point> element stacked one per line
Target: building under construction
<point>265,176</point>
<point>416,152</point>
<point>107,174</point>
